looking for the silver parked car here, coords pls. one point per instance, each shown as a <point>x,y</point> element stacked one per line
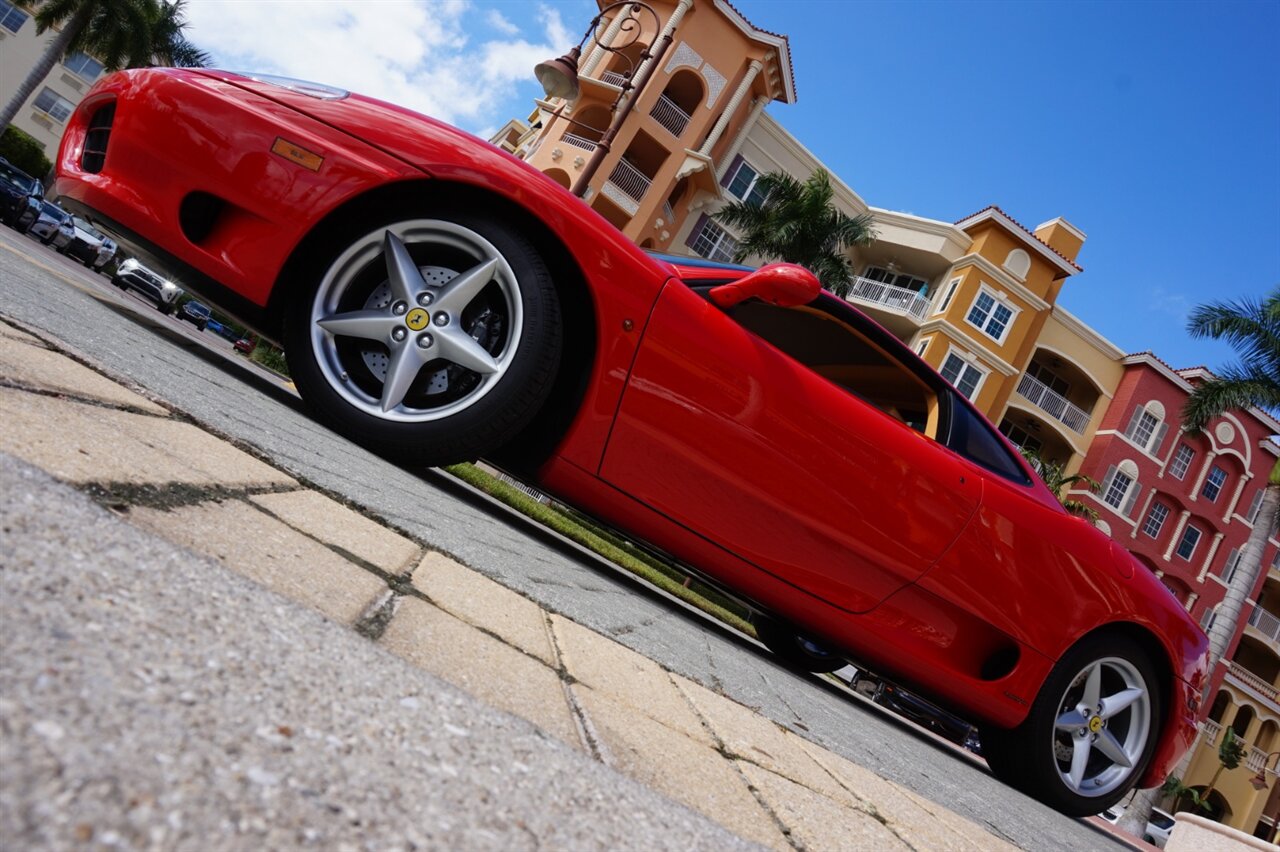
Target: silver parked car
<point>52,226</point>
<point>89,245</point>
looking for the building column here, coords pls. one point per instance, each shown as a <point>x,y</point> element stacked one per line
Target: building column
<point>1235,500</point>
<point>1213,551</point>
<point>598,53</point>
<point>1177,534</point>
<point>1191,600</point>
<point>672,23</point>
<point>725,117</point>
<point>757,106</point>
<point>1173,448</point>
<point>1204,473</point>
<point>1146,504</point>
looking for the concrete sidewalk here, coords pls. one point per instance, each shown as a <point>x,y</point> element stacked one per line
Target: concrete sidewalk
<point>266,745</point>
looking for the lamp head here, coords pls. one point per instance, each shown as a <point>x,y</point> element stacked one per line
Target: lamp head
<point>1259,781</point>
<point>559,77</point>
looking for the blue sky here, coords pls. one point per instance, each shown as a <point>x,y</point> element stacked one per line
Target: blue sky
<point>1152,126</point>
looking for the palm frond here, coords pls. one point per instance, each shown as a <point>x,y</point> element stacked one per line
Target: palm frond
<point>1234,388</point>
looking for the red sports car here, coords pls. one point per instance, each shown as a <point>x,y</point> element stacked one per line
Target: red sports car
<point>440,300</point>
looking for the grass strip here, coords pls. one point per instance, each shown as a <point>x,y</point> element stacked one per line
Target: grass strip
<point>609,546</point>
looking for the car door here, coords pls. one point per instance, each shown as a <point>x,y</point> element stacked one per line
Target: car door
<point>768,455</point>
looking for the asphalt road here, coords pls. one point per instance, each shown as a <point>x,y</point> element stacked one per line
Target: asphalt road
<point>200,376</point>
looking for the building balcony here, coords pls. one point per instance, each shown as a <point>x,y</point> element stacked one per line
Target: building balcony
<point>670,115</point>
<point>899,300</point>
<point>613,78</point>
<point>1054,404</point>
<point>1246,678</point>
<point>630,180</point>
<point>1210,730</point>
<point>1265,623</point>
<point>1256,760</point>
<point>578,142</point>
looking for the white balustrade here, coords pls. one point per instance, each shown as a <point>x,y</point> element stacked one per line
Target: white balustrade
<point>613,78</point>
<point>578,142</point>
<point>1251,680</point>
<point>630,180</point>
<point>669,115</point>
<point>1256,760</point>
<point>1211,730</point>
<point>1053,403</point>
<point>898,299</point>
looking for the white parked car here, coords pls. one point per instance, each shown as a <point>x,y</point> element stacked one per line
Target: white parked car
<point>1159,825</point>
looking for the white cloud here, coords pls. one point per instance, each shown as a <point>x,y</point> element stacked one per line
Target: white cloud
<point>499,22</point>
<point>417,53</point>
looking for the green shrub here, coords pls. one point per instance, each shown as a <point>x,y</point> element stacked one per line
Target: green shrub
<point>270,357</point>
<point>24,152</point>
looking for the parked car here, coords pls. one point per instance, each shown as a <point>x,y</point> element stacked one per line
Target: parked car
<point>1159,825</point>
<point>53,226</point>
<point>89,245</point>
<point>132,275</point>
<point>440,300</point>
<point>20,196</point>
<point>245,345</point>
<point>196,313</point>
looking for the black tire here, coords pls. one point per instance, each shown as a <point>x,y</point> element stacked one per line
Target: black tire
<point>794,650</point>
<point>471,384</point>
<point>1038,756</point>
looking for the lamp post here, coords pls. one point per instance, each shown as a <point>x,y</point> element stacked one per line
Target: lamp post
<point>559,77</point>
<point>1259,783</point>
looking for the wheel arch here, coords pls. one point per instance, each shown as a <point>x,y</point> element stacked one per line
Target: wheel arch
<point>577,306</point>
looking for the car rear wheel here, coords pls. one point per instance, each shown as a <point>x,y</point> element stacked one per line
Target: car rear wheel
<point>1091,732</point>
<point>796,651</point>
<point>428,340</point>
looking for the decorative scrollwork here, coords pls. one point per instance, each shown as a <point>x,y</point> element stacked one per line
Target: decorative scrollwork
<point>626,31</point>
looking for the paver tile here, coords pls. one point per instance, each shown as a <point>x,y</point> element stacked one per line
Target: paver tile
<point>15,333</point>
<point>904,812</point>
<point>93,444</point>
<point>30,363</point>
<point>747,734</point>
<point>626,676</point>
<point>269,552</point>
<point>335,524</point>
<point>677,766</point>
<point>816,821</point>
<point>478,600</point>
<point>491,670</point>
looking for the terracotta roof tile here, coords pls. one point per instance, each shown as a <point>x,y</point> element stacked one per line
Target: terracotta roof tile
<point>791,66</point>
<point>1025,228</point>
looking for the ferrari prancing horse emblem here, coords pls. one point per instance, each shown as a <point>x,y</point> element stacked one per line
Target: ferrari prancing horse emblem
<point>417,319</point>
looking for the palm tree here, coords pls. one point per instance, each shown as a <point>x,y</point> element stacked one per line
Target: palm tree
<point>797,222</point>
<point>118,33</point>
<point>1253,328</point>
<point>1054,476</point>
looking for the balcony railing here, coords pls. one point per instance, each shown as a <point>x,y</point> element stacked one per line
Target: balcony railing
<point>579,142</point>
<point>669,115</point>
<point>1211,729</point>
<point>1251,680</point>
<point>1266,623</point>
<point>613,78</point>
<point>1054,404</point>
<point>630,180</point>
<point>897,299</point>
<point>1256,760</point>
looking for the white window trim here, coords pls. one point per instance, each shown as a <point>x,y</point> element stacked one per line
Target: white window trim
<point>948,295</point>
<point>1000,299</point>
<point>746,193</point>
<point>973,362</point>
<point>1122,436</point>
<point>1182,536</point>
<point>1089,495</point>
<point>1151,507</point>
<point>922,346</point>
<point>727,234</point>
<point>1179,444</point>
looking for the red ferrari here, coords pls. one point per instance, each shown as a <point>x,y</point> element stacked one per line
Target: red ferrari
<point>440,300</point>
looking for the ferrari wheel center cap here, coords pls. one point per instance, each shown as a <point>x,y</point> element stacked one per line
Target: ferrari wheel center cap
<point>417,319</point>
<point>1095,724</point>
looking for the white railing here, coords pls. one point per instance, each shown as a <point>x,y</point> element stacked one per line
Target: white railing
<point>1054,404</point>
<point>1256,760</point>
<point>1251,680</point>
<point>898,299</point>
<point>630,180</point>
<point>1211,729</point>
<point>1266,623</point>
<point>579,142</point>
<point>613,78</point>
<point>669,115</point>
<point>668,214</point>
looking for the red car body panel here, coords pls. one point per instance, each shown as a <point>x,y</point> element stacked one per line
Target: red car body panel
<point>692,433</point>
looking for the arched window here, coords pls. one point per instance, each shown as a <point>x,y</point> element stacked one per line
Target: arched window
<point>1018,263</point>
<point>1220,704</point>
<point>1147,427</point>
<point>1244,718</point>
<point>1120,487</point>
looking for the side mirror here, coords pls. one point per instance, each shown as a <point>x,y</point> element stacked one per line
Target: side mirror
<point>783,284</point>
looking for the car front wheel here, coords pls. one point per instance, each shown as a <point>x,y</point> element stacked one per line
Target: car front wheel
<point>428,340</point>
<point>795,650</point>
<point>1091,732</point>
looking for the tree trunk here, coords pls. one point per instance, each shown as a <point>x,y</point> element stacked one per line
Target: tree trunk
<point>51,56</point>
<point>1138,813</point>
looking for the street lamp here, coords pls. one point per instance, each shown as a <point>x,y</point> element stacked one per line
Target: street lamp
<point>559,77</point>
<point>1259,781</point>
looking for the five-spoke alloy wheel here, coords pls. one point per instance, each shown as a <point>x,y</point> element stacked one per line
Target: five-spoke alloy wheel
<point>429,340</point>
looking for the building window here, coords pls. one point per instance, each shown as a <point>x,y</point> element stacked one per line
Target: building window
<point>951,292</point>
<point>1187,546</point>
<point>714,243</point>
<point>1020,437</point>
<point>11,18</point>
<point>1181,461</point>
<point>54,105</point>
<point>991,315</point>
<point>963,376</point>
<point>1255,505</point>
<point>897,279</point>
<point>1142,427</point>
<point>743,184</point>
<point>83,66</point>
<point>1117,487</point>
<point>1155,519</point>
<point>1229,567</point>
<point>1206,620</point>
<point>922,346</point>
<point>1213,484</point>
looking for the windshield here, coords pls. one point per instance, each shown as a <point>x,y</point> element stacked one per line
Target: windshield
<point>21,180</point>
